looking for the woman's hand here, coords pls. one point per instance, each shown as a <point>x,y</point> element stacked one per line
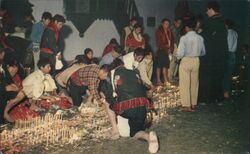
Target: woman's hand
<point>11,87</point>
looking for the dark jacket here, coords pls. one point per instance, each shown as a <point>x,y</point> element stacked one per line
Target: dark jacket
<point>162,40</point>
<point>51,42</point>
<point>215,39</point>
<point>128,84</point>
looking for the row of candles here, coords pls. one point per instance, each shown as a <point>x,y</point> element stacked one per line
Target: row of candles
<point>53,129</point>
<point>49,129</point>
<point>165,97</point>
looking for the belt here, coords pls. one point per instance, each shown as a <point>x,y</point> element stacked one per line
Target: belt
<point>46,50</point>
<point>132,103</point>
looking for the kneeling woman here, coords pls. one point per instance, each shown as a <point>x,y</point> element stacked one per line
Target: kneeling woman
<point>40,88</point>
<point>13,86</point>
<point>131,104</point>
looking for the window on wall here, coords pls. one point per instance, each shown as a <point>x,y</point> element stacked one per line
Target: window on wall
<point>150,21</point>
<point>77,6</point>
<point>82,6</point>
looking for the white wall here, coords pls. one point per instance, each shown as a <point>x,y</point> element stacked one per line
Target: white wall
<point>101,31</point>
<point>95,37</point>
<point>155,8</point>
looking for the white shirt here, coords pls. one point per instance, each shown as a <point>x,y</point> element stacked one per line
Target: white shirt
<point>36,83</point>
<point>146,68</point>
<point>232,37</point>
<point>191,45</point>
<point>129,61</point>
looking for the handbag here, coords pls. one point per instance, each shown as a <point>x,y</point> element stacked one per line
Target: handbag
<point>59,64</point>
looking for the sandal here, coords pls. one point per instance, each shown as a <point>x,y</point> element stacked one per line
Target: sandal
<point>153,142</point>
<point>187,109</point>
<point>193,107</point>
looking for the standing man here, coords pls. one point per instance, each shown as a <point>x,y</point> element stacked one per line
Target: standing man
<point>165,44</point>
<point>176,29</point>
<point>232,38</point>
<point>191,47</point>
<point>50,46</point>
<point>36,35</point>
<point>214,62</point>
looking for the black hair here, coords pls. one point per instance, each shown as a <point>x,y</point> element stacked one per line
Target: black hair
<point>213,5</point>
<point>94,61</point>
<point>59,18</point>
<point>245,47</point>
<point>105,67</point>
<point>43,62</point>
<point>133,19</point>
<point>229,23</point>
<point>117,62</point>
<point>165,19</point>
<point>191,23</point>
<point>113,41</point>
<point>87,50</point>
<point>147,52</point>
<point>118,49</point>
<point>176,19</point>
<point>139,52</point>
<point>47,15</point>
<point>12,62</point>
<point>80,59</point>
<point>137,26</point>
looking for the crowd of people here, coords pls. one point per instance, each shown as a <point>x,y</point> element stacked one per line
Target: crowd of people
<point>199,56</point>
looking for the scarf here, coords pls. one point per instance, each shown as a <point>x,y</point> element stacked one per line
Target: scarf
<point>53,26</point>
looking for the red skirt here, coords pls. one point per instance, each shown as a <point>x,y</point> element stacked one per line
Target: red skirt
<point>63,103</point>
<point>23,112</point>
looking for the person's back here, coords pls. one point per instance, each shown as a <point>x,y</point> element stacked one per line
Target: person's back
<point>193,43</point>
<point>213,64</point>
<point>215,35</point>
<point>128,84</point>
<point>34,84</point>
<point>36,33</point>
<point>131,106</point>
